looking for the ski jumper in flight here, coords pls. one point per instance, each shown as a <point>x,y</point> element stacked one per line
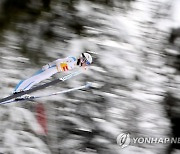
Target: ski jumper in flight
<point>59,65</point>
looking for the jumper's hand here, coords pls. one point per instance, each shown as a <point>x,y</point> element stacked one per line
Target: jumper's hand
<point>45,67</point>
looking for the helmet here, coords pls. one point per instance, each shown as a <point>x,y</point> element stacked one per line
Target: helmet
<point>87,57</point>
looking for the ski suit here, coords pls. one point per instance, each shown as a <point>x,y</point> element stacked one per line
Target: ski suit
<point>47,71</point>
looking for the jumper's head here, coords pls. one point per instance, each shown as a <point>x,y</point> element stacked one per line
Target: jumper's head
<point>84,59</point>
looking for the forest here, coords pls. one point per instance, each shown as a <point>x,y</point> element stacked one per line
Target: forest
<point>135,47</point>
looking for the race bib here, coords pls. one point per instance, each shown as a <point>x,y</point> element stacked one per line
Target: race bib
<point>64,66</point>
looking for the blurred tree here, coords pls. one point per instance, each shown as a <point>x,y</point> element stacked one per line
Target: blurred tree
<point>175,33</point>
<point>46,4</point>
<point>171,104</point>
<point>90,122</point>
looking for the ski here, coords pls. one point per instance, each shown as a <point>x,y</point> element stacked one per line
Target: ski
<point>41,86</point>
<point>32,98</point>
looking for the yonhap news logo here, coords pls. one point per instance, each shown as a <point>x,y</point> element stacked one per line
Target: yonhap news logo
<point>124,140</point>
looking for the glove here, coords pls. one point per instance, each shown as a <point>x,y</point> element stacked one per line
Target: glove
<point>45,67</point>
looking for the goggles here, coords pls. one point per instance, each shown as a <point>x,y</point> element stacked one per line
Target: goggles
<point>85,60</point>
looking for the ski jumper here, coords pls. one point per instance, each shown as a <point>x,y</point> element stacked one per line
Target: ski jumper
<point>47,71</point>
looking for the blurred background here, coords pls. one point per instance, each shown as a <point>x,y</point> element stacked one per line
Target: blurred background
<point>136,69</point>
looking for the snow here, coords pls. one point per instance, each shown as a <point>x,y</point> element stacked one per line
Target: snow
<point>140,95</point>
<point>98,69</point>
<point>36,142</point>
<point>171,51</point>
<point>111,129</point>
<point>10,138</point>
<point>101,140</point>
<point>84,8</point>
<point>20,115</point>
<point>135,150</point>
<point>110,95</point>
<point>14,141</point>
<point>176,12</point>
<point>28,150</point>
<point>147,125</point>
<point>78,122</point>
<point>19,140</point>
<point>70,143</point>
<point>20,59</point>
<point>173,21</point>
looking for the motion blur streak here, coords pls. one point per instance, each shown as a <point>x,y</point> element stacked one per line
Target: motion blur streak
<point>135,68</point>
